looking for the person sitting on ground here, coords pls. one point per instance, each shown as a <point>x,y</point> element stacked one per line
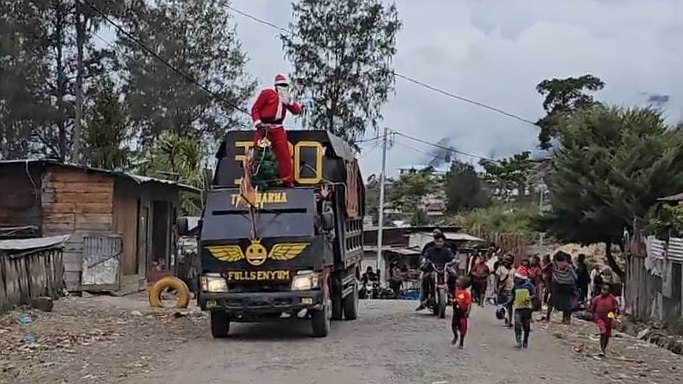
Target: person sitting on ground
<point>521,300</point>
<point>438,257</point>
<point>605,308</point>
<point>462,305</point>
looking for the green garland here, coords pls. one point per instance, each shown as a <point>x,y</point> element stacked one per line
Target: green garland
<point>265,169</point>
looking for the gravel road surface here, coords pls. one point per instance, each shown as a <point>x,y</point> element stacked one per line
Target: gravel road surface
<point>389,343</point>
<point>108,340</point>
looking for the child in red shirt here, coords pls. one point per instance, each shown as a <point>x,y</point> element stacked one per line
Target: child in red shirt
<point>605,309</point>
<point>462,304</point>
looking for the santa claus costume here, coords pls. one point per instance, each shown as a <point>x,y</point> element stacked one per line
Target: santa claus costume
<point>268,113</point>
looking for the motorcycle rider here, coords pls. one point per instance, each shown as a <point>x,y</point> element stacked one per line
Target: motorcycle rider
<point>441,257</point>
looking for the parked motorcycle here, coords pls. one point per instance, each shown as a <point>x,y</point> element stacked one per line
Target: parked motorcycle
<point>368,290</point>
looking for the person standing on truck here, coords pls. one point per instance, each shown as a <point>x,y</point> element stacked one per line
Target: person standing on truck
<point>440,257</point>
<point>268,113</point>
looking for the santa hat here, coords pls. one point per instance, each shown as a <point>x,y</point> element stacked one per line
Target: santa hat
<point>281,80</point>
<point>522,273</point>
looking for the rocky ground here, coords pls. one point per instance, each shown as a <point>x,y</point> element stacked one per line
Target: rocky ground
<point>119,340</point>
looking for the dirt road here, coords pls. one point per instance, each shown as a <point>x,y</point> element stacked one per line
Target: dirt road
<point>389,343</point>
<point>106,341</point>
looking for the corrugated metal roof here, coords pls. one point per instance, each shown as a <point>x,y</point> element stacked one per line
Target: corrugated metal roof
<point>457,236</point>
<point>137,178</point>
<point>672,198</point>
<point>35,243</point>
<point>675,250</point>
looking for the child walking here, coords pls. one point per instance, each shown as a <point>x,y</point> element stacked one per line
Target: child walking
<point>523,293</point>
<point>605,309</point>
<point>462,304</point>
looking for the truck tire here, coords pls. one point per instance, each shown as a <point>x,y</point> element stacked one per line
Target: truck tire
<point>351,304</point>
<point>320,320</point>
<point>220,324</point>
<point>337,308</point>
<point>169,282</point>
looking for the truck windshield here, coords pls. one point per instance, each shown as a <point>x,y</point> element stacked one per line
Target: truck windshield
<point>285,213</point>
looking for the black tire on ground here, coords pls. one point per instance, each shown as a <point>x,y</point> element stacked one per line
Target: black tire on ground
<point>220,324</point>
<point>337,308</point>
<point>351,304</point>
<point>320,320</point>
<point>442,304</point>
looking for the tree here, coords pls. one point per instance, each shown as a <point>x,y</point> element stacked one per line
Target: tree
<point>197,38</point>
<point>407,193</point>
<point>342,53</point>
<point>464,188</point>
<point>106,135</point>
<point>177,158</point>
<point>609,169</point>
<point>563,97</point>
<point>23,73</point>
<point>53,60</point>
<point>509,178</point>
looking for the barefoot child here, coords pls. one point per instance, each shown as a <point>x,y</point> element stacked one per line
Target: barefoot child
<point>605,308</point>
<point>462,304</point>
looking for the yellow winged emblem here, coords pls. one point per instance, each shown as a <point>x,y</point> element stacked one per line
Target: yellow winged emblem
<point>227,253</point>
<point>286,251</point>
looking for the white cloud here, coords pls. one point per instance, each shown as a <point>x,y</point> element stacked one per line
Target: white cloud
<point>496,52</point>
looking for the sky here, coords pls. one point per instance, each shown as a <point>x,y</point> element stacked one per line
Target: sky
<point>496,52</point>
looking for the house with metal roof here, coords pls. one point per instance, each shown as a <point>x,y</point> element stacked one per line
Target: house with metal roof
<point>120,225</point>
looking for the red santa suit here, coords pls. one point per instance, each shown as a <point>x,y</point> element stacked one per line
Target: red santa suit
<point>271,107</point>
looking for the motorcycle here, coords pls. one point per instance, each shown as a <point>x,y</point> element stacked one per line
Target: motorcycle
<point>369,290</point>
<point>440,296</point>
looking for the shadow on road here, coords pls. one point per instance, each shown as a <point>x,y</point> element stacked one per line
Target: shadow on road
<point>275,331</point>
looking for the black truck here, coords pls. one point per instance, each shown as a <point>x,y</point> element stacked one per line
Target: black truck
<point>292,253</point>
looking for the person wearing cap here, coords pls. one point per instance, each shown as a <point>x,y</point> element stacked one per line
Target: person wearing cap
<point>268,113</point>
<point>521,300</point>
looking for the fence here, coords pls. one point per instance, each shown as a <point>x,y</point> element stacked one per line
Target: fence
<point>653,279</point>
<point>517,245</point>
<point>30,268</point>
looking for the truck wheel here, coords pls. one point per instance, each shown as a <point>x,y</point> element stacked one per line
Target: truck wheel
<point>320,320</point>
<point>220,324</point>
<point>351,304</point>
<point>337,309</point>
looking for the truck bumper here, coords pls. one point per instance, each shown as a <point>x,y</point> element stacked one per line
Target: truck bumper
<point>249,304</point>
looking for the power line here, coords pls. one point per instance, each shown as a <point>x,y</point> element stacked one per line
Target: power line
<point>465,99</point>
<point>453,150</point>
<point>400,75</point>
<point>161,59</point>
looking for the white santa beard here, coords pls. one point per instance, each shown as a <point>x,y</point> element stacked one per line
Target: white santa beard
<point>283,93</point>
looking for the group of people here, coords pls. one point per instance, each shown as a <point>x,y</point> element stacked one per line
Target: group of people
<point>558,283</point>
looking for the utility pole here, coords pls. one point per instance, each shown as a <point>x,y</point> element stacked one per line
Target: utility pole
<point>540,212</point>
<point>80,43</point>
<point>380,224</point>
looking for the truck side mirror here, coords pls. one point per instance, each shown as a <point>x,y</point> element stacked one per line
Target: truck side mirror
<point>327,217</point>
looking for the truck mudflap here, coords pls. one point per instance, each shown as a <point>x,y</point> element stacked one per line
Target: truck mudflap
<point>252,303</point>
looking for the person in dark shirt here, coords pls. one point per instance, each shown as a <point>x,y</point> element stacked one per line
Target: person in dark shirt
<point>439,256</point>
<point>583,277</point>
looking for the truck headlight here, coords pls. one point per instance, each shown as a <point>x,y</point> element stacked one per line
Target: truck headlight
<point>305,281</point>
<point>214,283</point>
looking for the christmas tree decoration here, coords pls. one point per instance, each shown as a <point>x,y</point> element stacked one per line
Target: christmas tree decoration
<point>265,170</point>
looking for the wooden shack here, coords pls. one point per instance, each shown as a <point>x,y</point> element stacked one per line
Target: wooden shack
<point>120,224</point>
